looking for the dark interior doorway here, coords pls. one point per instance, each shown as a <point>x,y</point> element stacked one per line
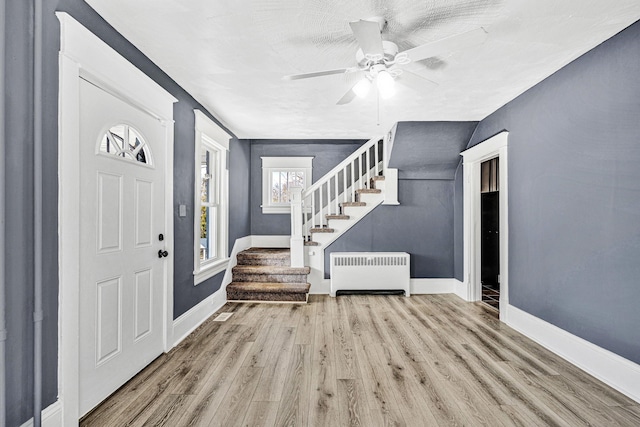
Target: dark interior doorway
<point>489,233</point>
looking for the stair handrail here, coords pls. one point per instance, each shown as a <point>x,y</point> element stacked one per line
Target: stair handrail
<point>367,145</point>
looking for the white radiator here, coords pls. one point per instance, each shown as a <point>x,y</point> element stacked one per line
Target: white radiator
<point>369,271</point>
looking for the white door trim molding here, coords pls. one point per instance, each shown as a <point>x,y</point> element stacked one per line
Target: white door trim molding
<point>495,146</point>
<point>84,55</point>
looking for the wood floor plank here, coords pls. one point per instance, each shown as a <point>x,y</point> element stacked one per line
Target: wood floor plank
<point>362,361</point>
<point>305,329</point>
<point>215,386</point>
<point>275,370</point>
<point>261,414</point>
<point>171,407</point>
<point>294,403</point>
<point>449,362</point>
<point>117,402</point>
<point>377,390</point>
<point>323,406</point>
<point>353,407</point>
<point>346,363</point>
<point>236,401</point>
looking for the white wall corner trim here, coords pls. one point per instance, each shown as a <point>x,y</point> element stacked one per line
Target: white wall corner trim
<point>51,416</point>
<point>198,314</point>
<point>616,371</point>
<point>432,286</point>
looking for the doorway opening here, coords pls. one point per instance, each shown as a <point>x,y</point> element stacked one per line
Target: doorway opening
<point>489,232</point>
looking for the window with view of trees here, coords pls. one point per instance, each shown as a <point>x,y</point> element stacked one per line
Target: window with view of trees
<point>279,175</point>
<point>211,202</point>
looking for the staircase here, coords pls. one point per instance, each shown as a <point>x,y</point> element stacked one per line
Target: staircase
<point>264,274</point>
<point>338,201</point>
<point>337,223</point>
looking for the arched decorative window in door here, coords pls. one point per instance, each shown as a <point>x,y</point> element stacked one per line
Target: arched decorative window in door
<point>125,142</point>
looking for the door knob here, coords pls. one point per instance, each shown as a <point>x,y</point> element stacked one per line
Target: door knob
<point>162,254</point>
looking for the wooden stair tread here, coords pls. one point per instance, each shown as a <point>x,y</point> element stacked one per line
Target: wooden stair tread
<point>347,204</point>
<point>334,216</point>
<point>269,269</point>
<point>311,243</point>
<point>368,191</point>
<point>378,178</point>
<point>268,287</point>
<point>322,230</point>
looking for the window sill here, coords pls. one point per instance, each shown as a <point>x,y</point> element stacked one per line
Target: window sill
<point>210,270</point>
<point>281,209</point>
<point>276,209</point>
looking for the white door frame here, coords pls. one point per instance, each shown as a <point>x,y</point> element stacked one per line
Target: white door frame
<point>84,55</point>
<point>495,146</point>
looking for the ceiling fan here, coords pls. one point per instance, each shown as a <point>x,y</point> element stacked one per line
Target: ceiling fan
<point>382,64</point>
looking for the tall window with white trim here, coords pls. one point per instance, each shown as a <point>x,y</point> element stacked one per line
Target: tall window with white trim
<point>211,199</point>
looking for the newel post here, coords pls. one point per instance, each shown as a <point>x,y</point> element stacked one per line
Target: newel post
<point>297,241</point>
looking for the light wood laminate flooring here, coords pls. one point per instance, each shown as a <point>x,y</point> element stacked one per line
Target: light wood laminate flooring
<point>427,360</point>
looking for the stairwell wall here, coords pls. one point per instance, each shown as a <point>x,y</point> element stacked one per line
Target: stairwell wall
<point>326,154</point>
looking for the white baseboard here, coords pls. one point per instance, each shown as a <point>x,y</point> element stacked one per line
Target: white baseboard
<point>432,286</point>
<point>51,416</point>
<point>616,371</point>
<point>322,288</point>
<point>461,290</point>
<point>238,246</point>
<point>189,321</point>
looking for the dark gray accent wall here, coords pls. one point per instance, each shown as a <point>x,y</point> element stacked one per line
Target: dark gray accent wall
<point>19,192</point>
<point>421,225</point>
<point>429,150</point>
<point>574,195</point>
<point>327,154</point>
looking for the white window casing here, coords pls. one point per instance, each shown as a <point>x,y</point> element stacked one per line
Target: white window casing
<point>285,166</point>
<point>214,141</point>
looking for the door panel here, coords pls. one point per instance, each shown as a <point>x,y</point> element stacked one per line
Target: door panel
<point>121,215</point>
<point>109,212</point>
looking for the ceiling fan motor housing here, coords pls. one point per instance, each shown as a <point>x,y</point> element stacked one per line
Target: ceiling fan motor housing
<point>390,50</point>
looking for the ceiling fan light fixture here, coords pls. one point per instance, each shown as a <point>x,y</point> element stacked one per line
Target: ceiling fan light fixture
<point>386,85</point>
<point>361,89</point>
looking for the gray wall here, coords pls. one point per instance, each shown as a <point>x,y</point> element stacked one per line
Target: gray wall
<point>421,225</point>
<point>574,195</point>
<point>327,154</point>
<point>19,192</point>
<point>426,155</point>
<point>429,150</point>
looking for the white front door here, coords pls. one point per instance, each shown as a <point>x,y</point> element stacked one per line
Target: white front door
<point>122,215</point>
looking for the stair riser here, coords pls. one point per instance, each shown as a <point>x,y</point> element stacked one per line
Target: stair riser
<point>274,278</point>
<point>274,297</point>
<point>252,260</point>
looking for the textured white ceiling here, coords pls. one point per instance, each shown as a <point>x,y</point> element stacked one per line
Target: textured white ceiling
<point>231,56</point>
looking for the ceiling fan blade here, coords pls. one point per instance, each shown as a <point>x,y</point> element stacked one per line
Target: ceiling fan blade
<point>446,45</point>
<point>319,73</point>
<point>347,98</point>
<point>368,35</point>
<point>416,82</point>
